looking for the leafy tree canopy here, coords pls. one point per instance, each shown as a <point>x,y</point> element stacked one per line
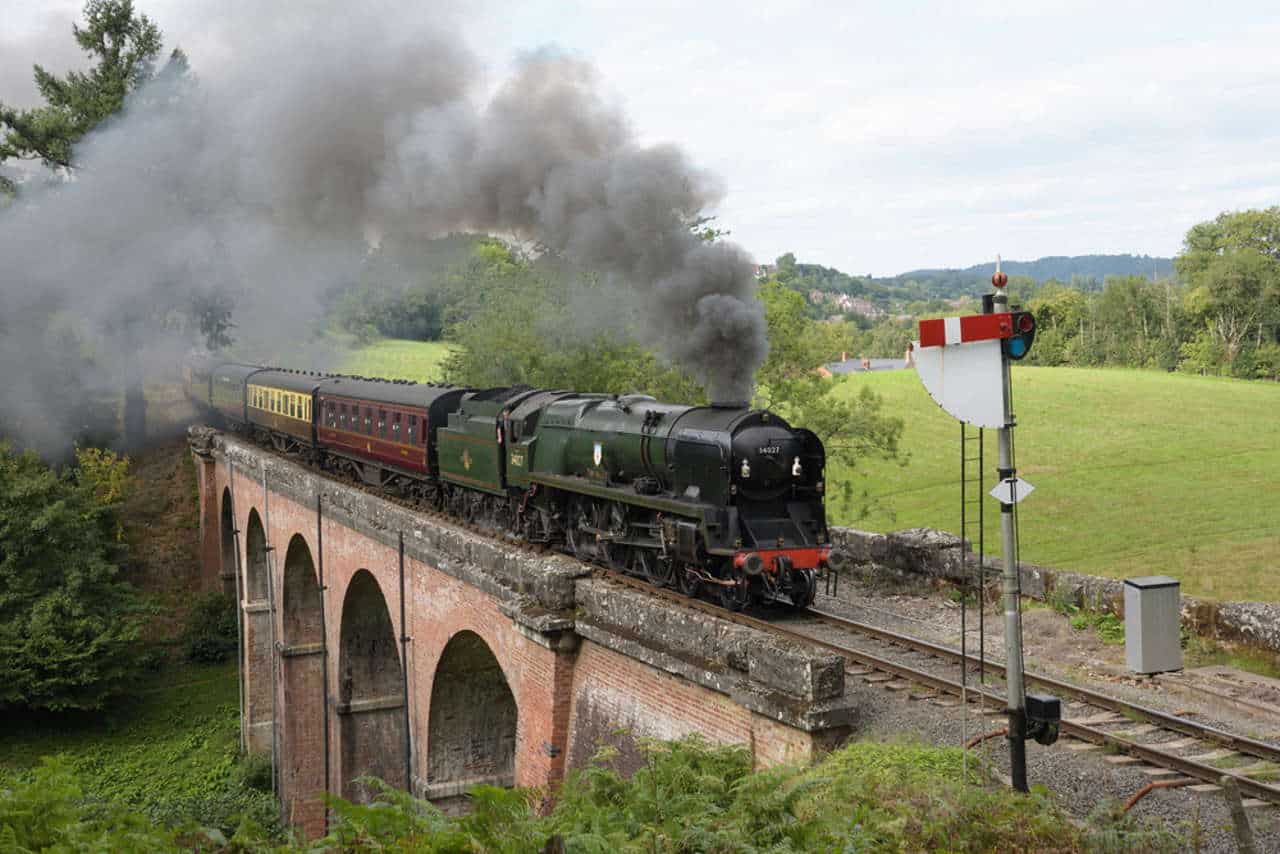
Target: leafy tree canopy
<point>123,46</point>
<point>790,384</point>
<point>68,623</point>
<point>529,328</point>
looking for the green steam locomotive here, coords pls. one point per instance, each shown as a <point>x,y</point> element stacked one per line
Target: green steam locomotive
<point>720,501</point>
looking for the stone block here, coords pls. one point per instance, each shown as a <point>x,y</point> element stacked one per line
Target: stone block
<point>1256,623</point>
<point>716,646</point>
<point>794,670</point>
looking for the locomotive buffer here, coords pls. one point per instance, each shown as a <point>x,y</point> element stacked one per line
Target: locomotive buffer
<point>964,365</point>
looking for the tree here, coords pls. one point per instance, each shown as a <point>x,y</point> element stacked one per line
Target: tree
<point>211,312</point>
<point>851,428</point>
<point>526,327</point>
<point>68,624</point>
<point>125,47</point>
<point>1232,264</point>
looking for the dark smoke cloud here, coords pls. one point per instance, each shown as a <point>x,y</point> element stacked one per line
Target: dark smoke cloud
<point>265,180</point>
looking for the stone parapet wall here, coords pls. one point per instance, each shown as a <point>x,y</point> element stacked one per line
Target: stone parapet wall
<point>931,556</point>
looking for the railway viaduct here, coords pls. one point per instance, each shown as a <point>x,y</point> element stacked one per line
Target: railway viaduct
<point>379,641</point>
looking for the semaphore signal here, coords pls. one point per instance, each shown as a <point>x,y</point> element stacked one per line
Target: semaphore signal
<point>964,363</point>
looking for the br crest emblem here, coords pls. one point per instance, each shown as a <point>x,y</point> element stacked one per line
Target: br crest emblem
<point>597,453</point>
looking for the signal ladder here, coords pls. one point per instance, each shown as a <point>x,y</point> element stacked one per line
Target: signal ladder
<point>973,494</point>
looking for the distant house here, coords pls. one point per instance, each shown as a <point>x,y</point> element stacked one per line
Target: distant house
<point>866,308</point>
<point>854,366</point>
<point>764,271</point>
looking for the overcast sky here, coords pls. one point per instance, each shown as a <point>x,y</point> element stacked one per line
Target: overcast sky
<point>879,137</point>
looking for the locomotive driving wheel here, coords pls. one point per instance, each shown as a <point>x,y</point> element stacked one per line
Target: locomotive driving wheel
<point>611,518</point>
<point>804,587</point>
<point>576,539</point>
<point>687,580</point>
<point>644,563</point>
<point>735,594</point>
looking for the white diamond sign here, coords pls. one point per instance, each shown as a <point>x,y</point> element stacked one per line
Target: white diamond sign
<point>1011,490</point>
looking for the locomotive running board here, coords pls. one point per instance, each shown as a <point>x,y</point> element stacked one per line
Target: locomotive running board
<point>613,493</point>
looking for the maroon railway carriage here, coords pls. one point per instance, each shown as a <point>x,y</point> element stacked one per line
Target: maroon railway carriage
<point>383,431</point>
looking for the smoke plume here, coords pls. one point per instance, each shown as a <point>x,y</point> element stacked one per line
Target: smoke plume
<point>265,178</point>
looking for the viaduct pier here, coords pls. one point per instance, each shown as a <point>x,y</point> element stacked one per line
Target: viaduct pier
<point>381,641</point>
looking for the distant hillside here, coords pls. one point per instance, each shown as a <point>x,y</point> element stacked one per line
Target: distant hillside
<point>869,296</point>
<point>1079,269</point>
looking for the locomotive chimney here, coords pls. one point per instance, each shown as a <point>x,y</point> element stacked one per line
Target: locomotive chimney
<point>730,404</point>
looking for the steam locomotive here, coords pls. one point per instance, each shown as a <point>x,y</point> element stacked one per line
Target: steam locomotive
<point>719,501</point>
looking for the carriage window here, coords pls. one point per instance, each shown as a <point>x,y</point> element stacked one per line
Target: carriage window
<point>368,421</point>
<point>382,423</point>
<point>413,428</point>
<point>342,416</point>
<point>395,426</point>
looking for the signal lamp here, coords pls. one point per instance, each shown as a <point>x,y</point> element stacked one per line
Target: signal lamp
<point>1017,345</point>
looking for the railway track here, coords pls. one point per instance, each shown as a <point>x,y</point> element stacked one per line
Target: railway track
<point>1090,730</point>
<point>1190,756</point>
<point>1093,729</point>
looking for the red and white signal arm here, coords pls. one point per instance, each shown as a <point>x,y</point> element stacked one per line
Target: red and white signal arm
<point>959,362</point>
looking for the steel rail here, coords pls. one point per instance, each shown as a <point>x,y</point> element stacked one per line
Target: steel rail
<point>1165,720</point>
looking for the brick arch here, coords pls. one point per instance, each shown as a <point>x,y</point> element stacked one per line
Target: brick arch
<point>304,693</point>
<point>471,730</point>
<point>255,550</point>
<point>259,688</point>
<point>372,726</point>
<point>227,553</point>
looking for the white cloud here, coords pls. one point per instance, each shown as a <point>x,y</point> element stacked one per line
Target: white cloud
<point>881,137</point>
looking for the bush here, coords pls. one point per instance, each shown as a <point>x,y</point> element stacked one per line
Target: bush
<point>254,772</point>
<point>49,813</point>
<point>687,796</point>
<point>210,633</point>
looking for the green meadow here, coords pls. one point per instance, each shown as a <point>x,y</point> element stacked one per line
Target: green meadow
<point>422,361</point>
<point>1135,473</point>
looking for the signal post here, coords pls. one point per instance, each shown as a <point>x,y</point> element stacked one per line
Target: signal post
<point>964,364</point>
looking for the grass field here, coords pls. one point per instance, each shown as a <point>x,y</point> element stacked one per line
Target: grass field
<point>1136,473</point>
<point>399,360</point>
